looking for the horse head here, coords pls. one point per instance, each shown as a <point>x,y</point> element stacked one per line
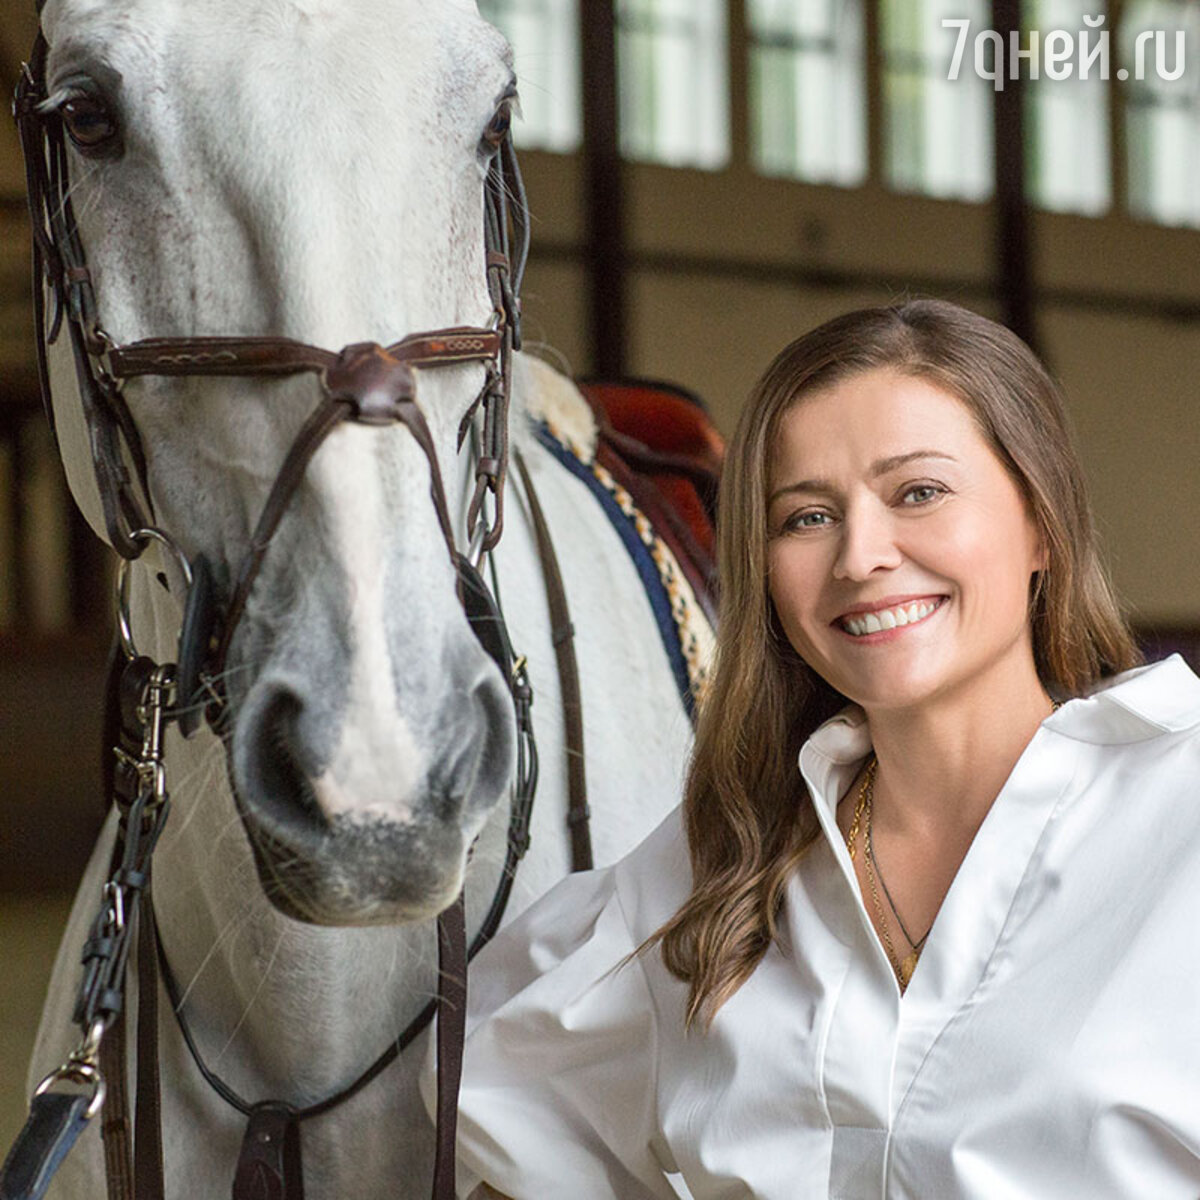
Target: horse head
<point>217,191</point>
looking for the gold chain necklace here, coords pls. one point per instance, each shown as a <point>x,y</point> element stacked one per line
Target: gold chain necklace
<point>860,826</point>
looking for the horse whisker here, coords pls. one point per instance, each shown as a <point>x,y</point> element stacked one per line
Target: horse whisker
<point>231,926</point>
<point>250,1003</point>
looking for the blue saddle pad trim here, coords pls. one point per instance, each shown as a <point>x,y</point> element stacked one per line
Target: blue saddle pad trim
<point>643,561</point>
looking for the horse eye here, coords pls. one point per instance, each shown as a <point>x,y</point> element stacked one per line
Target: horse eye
<point>497,128</point>
<point>89,124</point>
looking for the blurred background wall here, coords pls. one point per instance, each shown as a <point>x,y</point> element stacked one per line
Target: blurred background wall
<point>721,176</point>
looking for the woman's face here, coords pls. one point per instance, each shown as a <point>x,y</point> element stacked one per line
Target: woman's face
<point>900,549</point>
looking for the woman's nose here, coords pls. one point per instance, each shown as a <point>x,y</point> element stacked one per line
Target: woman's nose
<point>868,544</point>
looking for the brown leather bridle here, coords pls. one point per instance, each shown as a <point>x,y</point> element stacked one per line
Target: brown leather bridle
<point>364,383</point>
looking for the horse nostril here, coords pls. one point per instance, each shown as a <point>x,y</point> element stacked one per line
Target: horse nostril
<point>277,781</point>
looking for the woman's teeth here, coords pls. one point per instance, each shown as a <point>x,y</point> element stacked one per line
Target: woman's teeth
<point>888,618</point>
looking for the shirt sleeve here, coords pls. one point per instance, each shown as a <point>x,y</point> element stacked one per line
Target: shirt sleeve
<point>558,1088</point>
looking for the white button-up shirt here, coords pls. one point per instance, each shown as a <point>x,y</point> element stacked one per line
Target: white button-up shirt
<point>1047,1046</point>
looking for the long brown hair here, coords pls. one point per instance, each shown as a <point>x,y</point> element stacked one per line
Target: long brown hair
<point>747,813</point>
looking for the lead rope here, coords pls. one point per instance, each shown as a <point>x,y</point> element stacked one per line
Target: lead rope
<point>148,1182</point>
<point>70,1096</point>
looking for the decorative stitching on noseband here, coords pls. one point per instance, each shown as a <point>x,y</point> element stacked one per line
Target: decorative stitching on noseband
<point>194,360</point>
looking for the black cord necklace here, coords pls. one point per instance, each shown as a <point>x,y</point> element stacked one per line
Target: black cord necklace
<point>916,944</point>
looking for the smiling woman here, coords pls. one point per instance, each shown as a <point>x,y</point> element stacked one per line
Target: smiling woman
<point>900,576</point>
<point>892,971</point>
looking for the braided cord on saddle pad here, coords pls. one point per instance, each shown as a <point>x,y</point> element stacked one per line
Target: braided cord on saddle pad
<point>653,469</point>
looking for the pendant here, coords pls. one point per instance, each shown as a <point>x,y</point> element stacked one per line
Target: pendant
<point>907,967</point>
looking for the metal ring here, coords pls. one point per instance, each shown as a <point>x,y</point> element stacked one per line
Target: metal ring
<point>124,627</point>
<point>85,1074</point>
<point>100,345</point>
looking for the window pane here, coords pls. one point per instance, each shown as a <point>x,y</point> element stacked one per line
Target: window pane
<point>807,89</point>
<point>545,41</point>
<point>1067,139</point>
<point>674,81</point>
<point>937,131</point>
<point>1162,115</point>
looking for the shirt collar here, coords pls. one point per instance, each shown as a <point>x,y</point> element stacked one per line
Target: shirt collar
<point>829,759</point>
<point>1161,697</point>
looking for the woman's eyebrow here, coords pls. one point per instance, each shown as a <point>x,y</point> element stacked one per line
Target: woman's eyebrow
<point>881,466</point>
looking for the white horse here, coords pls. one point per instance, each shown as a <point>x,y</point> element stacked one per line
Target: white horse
<point>314,169</point>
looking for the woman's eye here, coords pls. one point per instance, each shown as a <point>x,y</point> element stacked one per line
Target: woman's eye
<point>497,128</point>
<point>89,123</point>
<point>806,520</point>
<point>922,493</point>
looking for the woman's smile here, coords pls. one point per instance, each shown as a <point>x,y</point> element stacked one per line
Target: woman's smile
<point>872,624</point>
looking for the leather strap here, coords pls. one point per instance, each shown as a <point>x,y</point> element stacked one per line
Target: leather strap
<point>59,265</point>
<point>308,440</point>
<point>563,635</point>
<point>451,1035</point>
<point>56,1119</point>
<point>147,1133</point>
<point>216,356</point>
<point>114,1129</point>
<point>250,356</point>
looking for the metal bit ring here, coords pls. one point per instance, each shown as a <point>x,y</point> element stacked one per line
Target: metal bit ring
<point>124,624</point>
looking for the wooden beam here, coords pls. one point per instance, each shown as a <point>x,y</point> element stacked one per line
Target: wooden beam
<point>1014,268</point>
<point>604,191</point>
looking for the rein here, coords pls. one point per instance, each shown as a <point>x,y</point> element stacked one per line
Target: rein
<point>364,383</point>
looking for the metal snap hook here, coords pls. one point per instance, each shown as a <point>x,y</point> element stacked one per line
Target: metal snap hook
<point>124,624</point>
<point>81,1070</point>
